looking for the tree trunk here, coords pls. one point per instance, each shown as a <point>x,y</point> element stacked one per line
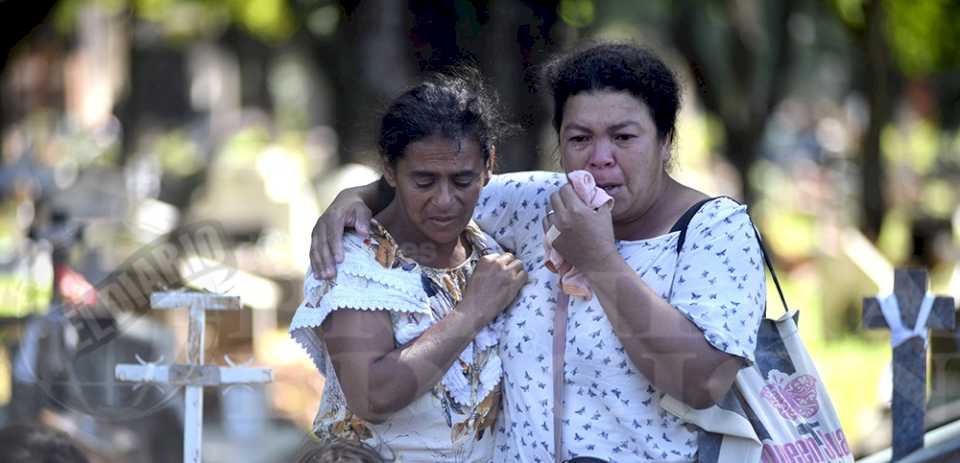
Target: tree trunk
<point>528,35</point>
<point>742,148</point>
<point>740,70</point>
<point>158,95</point>
<point>434,36</point>
<point>367,62</point>
<point>254,59</point>
<point>877,86</point>
<point>507,39</point>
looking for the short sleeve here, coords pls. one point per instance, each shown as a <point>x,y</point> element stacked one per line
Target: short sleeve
<point>511,208</point>
<point>361,284</point>
<point>720,283</point>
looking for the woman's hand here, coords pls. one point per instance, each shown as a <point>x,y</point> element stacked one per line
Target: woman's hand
<point>348,210</point>
<point>379,378</point>
<point>586,237</point>
<point>495,283</point>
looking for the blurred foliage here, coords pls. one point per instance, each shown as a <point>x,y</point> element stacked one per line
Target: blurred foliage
<point>244,146</point>
<point>851,12</point>
<point>577,13</point>
<point>806,179</point>
<point>696,137</point>
<point>180,20</point>
<point>852,370</point>
<point>913,146</point>
<point>923,33</point>
<point>939,198</point>
<point>894,240</point>
<point>289,83</point>
<point>20,293</point>
<point>796,233</point>
<point>268,19</point>
<point>178,154</point>
<point>20,297</point>
<point>323,21</point>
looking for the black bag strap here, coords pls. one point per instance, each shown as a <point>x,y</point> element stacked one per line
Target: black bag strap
<point>773,273</point>
<point>684,221</point>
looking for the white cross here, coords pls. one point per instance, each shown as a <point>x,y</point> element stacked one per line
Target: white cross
<point>194,375</point>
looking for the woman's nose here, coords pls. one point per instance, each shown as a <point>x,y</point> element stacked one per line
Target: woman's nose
<point>444,196</point>
<point>602,155</point>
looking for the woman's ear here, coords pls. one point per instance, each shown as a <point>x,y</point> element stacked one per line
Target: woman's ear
<point>488,169</point>
<point>666,151</point>
<point>390,174</point>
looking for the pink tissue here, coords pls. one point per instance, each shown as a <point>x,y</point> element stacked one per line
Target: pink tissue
<point>572,281</point>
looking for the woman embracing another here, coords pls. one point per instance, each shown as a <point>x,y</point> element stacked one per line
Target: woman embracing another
<point>406,333</point>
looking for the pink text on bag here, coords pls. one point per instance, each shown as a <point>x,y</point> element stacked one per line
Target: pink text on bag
<point>830,445</point>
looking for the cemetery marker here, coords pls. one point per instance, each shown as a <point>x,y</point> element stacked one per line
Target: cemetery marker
<point>194,375</point>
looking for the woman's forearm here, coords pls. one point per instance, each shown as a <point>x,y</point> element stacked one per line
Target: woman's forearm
<point>376,195</point>
<point>410,371</point>
<point>667,347</point>
<point>395,379</point>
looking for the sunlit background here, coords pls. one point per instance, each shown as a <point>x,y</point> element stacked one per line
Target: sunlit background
<point>836,120</point>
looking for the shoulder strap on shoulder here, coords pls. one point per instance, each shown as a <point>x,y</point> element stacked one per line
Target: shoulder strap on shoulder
<point>684,221</point>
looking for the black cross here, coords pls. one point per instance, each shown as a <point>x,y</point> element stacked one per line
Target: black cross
<point>909,358</point>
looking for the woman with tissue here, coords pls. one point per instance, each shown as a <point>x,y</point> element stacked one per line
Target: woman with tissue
<point>573,282</point>
<point>667,283</point>
<point>406,334</point>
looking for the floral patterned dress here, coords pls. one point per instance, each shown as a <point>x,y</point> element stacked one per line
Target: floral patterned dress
<point>454,421</point>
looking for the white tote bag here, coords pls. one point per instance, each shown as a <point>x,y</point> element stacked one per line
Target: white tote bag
<point>778,410</point>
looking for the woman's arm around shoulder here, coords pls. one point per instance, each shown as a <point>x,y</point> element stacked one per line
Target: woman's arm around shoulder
<point>511,206</point>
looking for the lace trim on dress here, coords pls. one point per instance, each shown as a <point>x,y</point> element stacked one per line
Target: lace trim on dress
<point>365,283</point>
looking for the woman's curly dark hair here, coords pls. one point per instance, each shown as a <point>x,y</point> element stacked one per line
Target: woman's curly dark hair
<point>455,104</point>
<point>616,66</point>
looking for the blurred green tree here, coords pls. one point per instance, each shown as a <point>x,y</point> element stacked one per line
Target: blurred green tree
<point>741,55</point>
<point>377,47</point>
<point>898,41</point>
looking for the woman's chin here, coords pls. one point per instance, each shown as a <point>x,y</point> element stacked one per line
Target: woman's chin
<point>444,235</point>
<point>617,213</point>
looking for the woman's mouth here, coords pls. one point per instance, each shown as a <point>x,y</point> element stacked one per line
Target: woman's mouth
<point>610,188</point>
<point>444,221</point>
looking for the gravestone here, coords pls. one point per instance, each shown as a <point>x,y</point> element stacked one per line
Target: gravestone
<point>193,375</point>
<point>909,320</point>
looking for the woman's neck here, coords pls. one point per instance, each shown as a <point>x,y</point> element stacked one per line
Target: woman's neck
<point>415,245</point>
<point>673,198</point>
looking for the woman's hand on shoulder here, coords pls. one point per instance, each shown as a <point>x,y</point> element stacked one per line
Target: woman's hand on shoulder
<point>326,242</point>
